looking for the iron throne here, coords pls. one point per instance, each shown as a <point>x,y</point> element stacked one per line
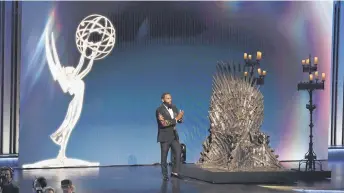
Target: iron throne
<point>235,142</point>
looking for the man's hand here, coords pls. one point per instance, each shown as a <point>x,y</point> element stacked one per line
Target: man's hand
<point>161,118</point>
<point>180,115</point>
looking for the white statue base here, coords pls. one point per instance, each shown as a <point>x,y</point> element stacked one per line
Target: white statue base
<point>57,163</point>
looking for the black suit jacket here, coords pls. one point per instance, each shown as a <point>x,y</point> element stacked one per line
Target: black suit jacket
<point>11,188</point>
<point>166,131</point>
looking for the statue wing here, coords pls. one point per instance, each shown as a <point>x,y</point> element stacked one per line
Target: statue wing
<point>54,62</point>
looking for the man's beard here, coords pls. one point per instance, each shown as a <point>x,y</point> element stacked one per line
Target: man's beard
<point>168,105</point>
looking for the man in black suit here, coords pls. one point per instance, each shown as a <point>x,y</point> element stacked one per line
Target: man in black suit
<point>6,181</point>
<point>167,116</point>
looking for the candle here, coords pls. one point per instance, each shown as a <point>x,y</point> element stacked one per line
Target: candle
<point>307,61</point>
<point>245,73</point>
<point>264,73</point>
<point>303,62</point>
<point>323,76</point>
<point>316,74</point>
<point>259,55</point>
<point>245,56</point>
<point>259,71</point>
<point>311,77</point>
<point>250,57</point>
<point>315,60</point>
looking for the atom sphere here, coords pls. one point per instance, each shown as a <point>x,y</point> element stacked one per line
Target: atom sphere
<point>100,25</point>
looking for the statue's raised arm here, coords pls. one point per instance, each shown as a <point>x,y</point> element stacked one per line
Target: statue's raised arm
<point>88,68</point>
<point>78,72</point>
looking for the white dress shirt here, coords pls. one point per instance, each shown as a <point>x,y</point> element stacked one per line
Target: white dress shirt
<point>170,111</point>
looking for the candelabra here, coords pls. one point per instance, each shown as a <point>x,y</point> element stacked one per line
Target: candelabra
<point>310,157</point>
<point>252,64</point>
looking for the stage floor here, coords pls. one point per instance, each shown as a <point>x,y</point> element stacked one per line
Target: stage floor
<point>147,179</point>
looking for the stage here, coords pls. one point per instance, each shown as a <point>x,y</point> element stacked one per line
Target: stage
<point>147,179</point>
<point>282,176</point>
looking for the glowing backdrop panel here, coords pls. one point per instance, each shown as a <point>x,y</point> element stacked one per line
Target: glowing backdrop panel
<point>340,82</point>
<point>169,47</point>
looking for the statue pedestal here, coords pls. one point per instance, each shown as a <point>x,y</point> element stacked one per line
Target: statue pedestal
<point>57,163</point>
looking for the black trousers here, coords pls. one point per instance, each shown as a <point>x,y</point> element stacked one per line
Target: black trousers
<point>176,151</point>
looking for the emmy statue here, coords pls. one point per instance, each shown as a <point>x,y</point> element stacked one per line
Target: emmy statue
<point>71,80</point>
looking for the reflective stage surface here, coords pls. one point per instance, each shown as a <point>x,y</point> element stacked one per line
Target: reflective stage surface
<point>147,179</point>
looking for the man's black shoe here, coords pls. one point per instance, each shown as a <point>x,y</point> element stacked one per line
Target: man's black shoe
<point>176,176</point>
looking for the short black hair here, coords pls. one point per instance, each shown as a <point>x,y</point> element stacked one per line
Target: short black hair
<point>164,94</point>
<point>42,181</point>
